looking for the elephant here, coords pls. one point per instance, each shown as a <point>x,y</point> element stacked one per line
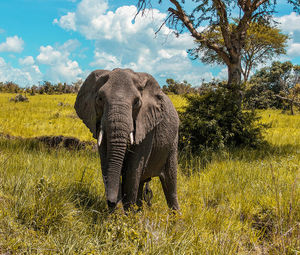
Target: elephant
<point>136,127</point>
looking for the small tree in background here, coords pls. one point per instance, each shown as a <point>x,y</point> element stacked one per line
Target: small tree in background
<point>293,97</point>
<point>178,88</point>
<point>273,86</point>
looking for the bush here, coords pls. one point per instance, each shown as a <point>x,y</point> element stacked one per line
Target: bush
<point>19,98</point>
<point>257,96</point>
<point>213,121</point>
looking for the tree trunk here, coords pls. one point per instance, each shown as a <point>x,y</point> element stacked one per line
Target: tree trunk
<point>234,73</point>
<point>234,80</point>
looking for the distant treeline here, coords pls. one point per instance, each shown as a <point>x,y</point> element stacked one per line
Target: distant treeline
<point>276,86</point>
<point>45,88</point>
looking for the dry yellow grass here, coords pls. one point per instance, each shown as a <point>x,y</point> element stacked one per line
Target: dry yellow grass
<point>245,201</point>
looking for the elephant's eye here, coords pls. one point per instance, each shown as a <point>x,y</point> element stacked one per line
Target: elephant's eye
<point>99,101</point>
<point>137,103</point>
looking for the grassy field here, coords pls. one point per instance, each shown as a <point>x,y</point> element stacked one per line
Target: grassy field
<point>245,201</point>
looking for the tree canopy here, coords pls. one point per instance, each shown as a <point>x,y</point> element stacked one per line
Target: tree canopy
<point>262,43</point>
<point>219,14</point>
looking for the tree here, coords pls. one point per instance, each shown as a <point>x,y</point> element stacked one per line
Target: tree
<point>262,43</point>
<point>10,87</point>
<point>48,87</point>
<point>220,13</point>
<point>273,86</point>
<point>296,4</point>
<point>178,88</point>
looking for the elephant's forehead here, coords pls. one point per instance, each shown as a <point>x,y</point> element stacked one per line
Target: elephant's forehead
<point>121,81</point>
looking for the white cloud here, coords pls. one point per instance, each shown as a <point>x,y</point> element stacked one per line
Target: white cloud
<point>68,71</point>
<point>84,17</point>
<point>48,55</point>
<point>289,23</point>
<point>26,61</point>
<point>60,68</point>
<point>55,61</point>
<point>27,76</point>
<point>28,64</point>
<point>70,45</point>
<point>67,22</point>
<point>105,60</point>
<point>223,74</point>
<point>123,42</point>
<point>294,50</point>
<point>12,44</point>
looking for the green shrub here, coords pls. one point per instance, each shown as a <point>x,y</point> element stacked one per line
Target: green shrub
<point>214,120</point>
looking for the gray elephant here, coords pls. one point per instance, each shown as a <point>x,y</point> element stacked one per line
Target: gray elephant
<point>136,126</point>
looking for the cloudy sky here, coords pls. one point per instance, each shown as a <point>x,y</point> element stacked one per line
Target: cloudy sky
<point>64,40</point>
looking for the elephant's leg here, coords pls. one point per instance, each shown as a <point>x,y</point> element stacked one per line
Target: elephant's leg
<point>147,193</point>
<point>169,181</point>
<point>144,193</point>
<point>131,181</point>
<point>139,200</point>
<point>135,163</point>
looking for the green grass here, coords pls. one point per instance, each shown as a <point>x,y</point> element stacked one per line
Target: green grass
<point>244,201</point>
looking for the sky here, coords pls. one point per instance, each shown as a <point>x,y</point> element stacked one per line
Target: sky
<point>64,40</point>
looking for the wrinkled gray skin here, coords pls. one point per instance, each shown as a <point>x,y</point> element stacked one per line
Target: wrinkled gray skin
<point>117,103</point>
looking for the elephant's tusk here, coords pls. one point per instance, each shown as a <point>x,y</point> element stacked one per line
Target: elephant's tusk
<point>131,138</point>
<point>100,137</point>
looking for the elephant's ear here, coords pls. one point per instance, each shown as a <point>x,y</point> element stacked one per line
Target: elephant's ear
<point>152,108</point>
<point>86,98</point>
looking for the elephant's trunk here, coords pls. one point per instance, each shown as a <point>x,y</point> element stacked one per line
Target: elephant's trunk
<point>116,153</point>
<point>118,128</point>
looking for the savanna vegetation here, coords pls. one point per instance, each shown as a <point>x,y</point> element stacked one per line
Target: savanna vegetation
<point>243,200</point>
<point>44,88</point>
<point>238,181</point>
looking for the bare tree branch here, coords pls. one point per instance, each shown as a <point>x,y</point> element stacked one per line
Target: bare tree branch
<point>189,25</point>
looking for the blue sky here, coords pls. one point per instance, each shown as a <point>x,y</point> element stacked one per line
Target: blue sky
<point>64,40</point>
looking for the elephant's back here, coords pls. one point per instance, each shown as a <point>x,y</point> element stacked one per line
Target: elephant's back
<point>171,113</point>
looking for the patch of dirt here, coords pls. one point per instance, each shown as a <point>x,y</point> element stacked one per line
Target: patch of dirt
<point>60,141</point>
<point>65,142</point>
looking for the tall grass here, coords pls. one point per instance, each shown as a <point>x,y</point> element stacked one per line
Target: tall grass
<point>242,201</point>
